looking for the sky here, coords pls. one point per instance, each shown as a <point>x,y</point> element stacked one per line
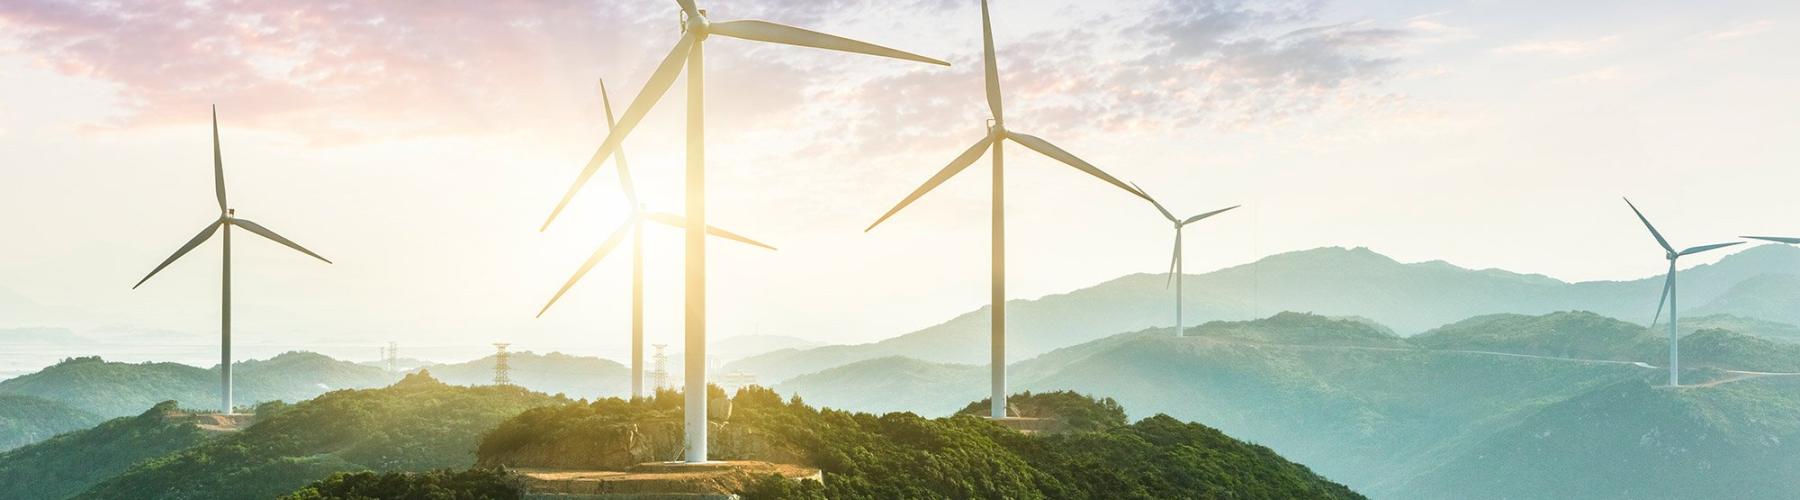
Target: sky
<point>420,144</point>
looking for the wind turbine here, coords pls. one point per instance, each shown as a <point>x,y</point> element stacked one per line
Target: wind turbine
<point>1668,293</point>
<point>689,49</point>
<point>227,218</point>
<point>635,224</point>
<point>996,136</point>
<point>1175,263</point>
<point>1777,239</point>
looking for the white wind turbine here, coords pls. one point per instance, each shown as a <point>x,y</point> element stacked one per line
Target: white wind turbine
<point>635,224</point>
<point>227,219</point>
<point>1175,263</point>
<point>996,136</point>
<point>1668,293</point>
<point>689,49</point>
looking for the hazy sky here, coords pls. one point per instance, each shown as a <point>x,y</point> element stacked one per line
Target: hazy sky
<point>419,146</point>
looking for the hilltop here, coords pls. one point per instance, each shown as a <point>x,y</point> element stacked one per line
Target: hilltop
<point>1759,283</point>
<point>417,424</point>
<point>901,455</point>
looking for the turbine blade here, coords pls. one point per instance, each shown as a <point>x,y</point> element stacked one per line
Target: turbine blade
<point>611,242</point>
<point>1153,202</point>
<point>672,220</point>
<point>1707,248</point>
<point>659,83</point>
<point>1777,239</point>
<point>1664,298</point>
<point>619,155</point>
<point>1197,218</point>
<point>218,162</point>
<point>196,241</point>
<point>1653,232</point>
<point>688,6</point>
<point>957,165</point>
<point>1050,150</point>
<point>990,66</point>
<point>764,31</point>
<point>266,233</point>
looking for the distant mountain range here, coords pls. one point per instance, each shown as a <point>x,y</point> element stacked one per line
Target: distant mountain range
<point>1494,395</point>
<point>1760,283</point>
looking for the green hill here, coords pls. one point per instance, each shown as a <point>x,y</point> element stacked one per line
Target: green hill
<point>1577,334</point>
<point>901,455</point>
<point>1378,418</point>
<point>417,424</point>
<point>1631,441</point>
<point>1302,328</point>
<point>71,463</point>
<point>553,373</point>
<point>113,389</point>
<point>26,419</point>
<point>1410,297</point>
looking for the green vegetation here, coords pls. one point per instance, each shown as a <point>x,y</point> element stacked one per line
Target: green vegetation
<point>418,424</point>
<point>1631,440</point>
<point>1074,411</point>
<point>472,484</point>
<point>902,455</point>
<point>1728,350</point>
<point>1576,334</point>
<point>1303,328</point>
<point>71,463</point>
<point>27,419</point>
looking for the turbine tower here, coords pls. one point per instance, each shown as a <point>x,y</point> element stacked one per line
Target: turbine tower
<point>635,226</point>
<point>227,219</point>
<point>689,50</point>
<point>1175,263</point>
<point>998,134</point>
<point>1668,293</point>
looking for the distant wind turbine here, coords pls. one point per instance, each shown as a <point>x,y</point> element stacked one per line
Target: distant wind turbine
<point>696,28</point>
<point>1668,293</point>
<point>996,136</point>
<point>636,226</point>
<point>1175,263</point>
<point>227,218</point>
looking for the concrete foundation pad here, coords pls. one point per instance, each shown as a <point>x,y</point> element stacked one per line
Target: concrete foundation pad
<point>658,481</point>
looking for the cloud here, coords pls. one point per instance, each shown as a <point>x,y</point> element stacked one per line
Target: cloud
<point>1606,74</point>
<point>353,70</point>
<point>1220,64</point>
<point>1745,30</point>
<point>1560,47</point>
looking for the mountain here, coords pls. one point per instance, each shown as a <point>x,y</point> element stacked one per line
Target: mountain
<point>41,335</point>
<point>1382,417</point>
<point>68,464</point>
<point>902,455</point>
<point>26,419</point>
<point>1302,328</point>
<point>1630,440</point>
<point>1410,297</point>
<point>743,346</point>
<point>1569,334</point>
<point>113,389</point>
<point>553,373</point>
<point>417,424</point>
